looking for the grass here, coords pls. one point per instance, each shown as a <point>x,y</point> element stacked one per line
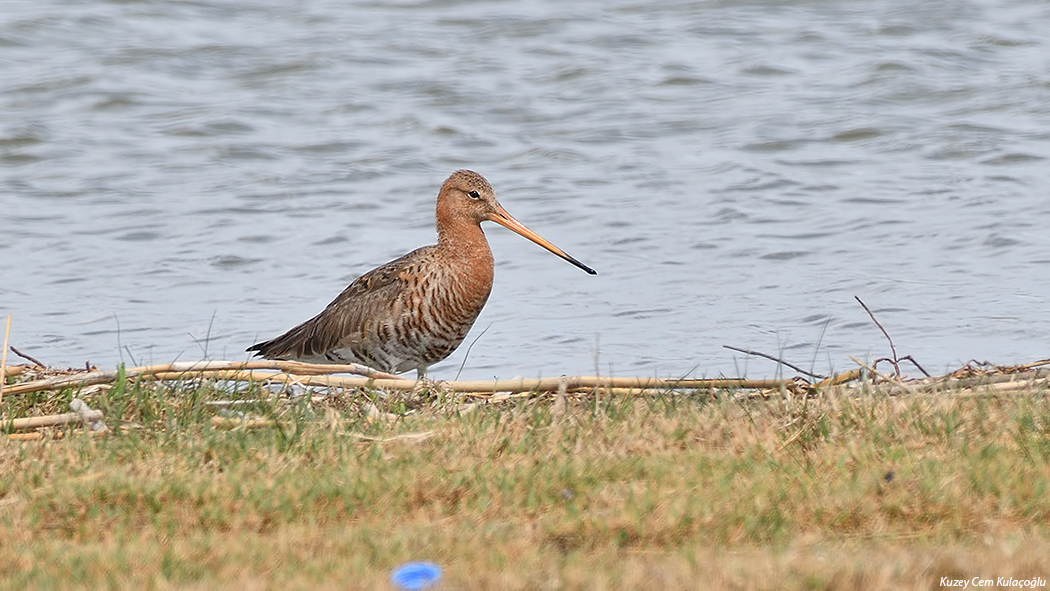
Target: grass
<point>676,491</point>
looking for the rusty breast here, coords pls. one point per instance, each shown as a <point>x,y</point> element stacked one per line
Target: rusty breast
<point>439,301</point>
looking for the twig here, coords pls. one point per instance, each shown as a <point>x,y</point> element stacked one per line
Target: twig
<point>893,349</point>
<point>916,364</point>
<point>53,420</point>
<point>896,360</point>
<point>876,372</point>
<point>3,358</point>
<point>841,378</point>
<point>893,362</point>
<point>26,357</point>
<point>1033,364</point>
<point>778,360</point>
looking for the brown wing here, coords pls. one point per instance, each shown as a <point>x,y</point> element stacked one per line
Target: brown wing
<point>351,320</point>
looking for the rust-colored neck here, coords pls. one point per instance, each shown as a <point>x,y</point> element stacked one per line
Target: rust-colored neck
<point>457,226</point>
<point>461,239</point>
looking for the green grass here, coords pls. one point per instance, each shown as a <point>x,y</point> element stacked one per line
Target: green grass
<point>669,492</point>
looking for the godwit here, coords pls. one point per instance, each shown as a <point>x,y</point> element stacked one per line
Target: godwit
<point>413,311</point>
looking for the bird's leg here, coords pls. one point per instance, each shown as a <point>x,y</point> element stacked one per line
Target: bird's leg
<point>423,383</point>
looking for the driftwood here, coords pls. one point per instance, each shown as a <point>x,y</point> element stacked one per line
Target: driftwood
<point>82,413</point>
<point>3,358</point>
<point>182,371</point>
<point>15,370</point>
<point>317,375</point>
<point>66,418</point>
<point>302,374</point>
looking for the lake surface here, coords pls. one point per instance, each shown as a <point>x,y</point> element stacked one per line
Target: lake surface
<point>179,180</point>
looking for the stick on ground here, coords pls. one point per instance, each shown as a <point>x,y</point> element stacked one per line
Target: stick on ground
<point>66,418</point>
<point>3,358</point>
<point>777,359</point>
<point>26,357</point>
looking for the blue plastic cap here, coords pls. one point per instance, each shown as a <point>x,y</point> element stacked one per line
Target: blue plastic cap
<point>415,575</point>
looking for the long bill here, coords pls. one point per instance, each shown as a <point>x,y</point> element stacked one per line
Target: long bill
<point>506,220</point>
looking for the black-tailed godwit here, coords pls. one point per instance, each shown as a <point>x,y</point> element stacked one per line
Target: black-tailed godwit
<point>413,311</point>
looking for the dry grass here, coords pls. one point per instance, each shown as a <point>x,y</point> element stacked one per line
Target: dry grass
<point>673,491</point>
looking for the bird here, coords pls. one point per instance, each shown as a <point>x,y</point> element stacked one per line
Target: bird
<point>415,310</point>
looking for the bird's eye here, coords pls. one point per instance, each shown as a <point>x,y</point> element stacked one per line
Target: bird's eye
<point>474,195</point>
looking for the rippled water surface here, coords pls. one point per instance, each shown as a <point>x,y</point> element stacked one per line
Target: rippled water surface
<point>179,180</point>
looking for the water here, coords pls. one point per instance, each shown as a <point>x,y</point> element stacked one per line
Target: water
<point>179,180</point>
